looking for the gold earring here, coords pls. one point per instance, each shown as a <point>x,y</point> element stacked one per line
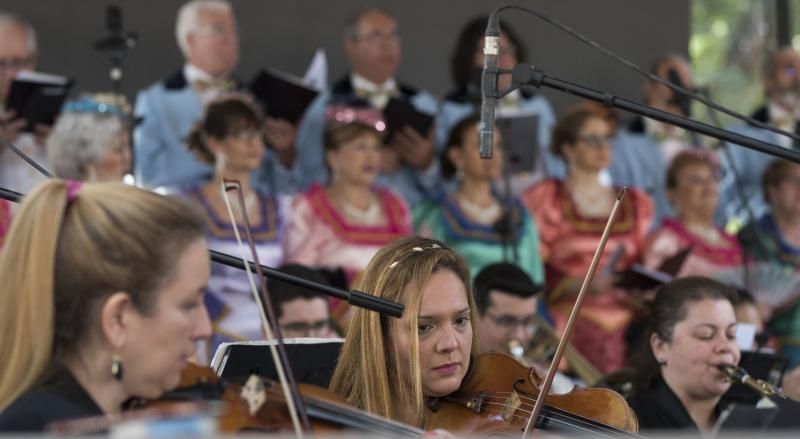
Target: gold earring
<point>116,367</point>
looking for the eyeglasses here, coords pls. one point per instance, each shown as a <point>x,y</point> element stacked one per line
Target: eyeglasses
<point>596,141</point>
<point>17,63</point>
<point>216,31</point>
<point>378,37</point>
<point>509,323</point>
<point>699,180</point>
<point>246,135</point>
<point>306,328</point>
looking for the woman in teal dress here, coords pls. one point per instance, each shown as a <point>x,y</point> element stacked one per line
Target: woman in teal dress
<point>774,239</point>
<point>471,217</point>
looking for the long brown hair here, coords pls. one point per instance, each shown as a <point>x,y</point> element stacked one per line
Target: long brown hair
<point>65,253</point>
<point>369,374</point>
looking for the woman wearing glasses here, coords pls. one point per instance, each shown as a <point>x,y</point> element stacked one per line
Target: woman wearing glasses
<point>571,215</point>
<point>229,137</point>
<point>692,191</point>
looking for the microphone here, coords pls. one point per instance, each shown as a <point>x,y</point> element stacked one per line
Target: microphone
<point>489,85</point>
<point>116,41</point>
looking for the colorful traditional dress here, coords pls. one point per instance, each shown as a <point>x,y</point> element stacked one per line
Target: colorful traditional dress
<point>704,259</point>
<point>234,314</point>
<point>480,244</point>
<point>568,243</point>
<point>764,242</point>
<point>320,236</point>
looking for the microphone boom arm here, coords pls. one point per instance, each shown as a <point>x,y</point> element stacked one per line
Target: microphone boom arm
<point>525,74</point>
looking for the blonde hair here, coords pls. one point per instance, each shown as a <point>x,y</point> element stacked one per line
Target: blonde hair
<point>369,374</point>
<point>65,253</point>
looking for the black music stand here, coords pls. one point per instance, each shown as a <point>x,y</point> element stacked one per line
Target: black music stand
<point>313,360</point>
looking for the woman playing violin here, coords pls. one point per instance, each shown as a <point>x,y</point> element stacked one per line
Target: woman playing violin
<point>390,367</point>
<point>113,310</point>
<point>692,332</point>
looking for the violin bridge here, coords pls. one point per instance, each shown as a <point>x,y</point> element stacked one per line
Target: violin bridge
<point>510,407</point>
<point>254,394</point>
<point>476,403</point>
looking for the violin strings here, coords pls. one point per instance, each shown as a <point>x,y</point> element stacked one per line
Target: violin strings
<point>553,416</point>
<point>359,417</point>
<point>267,330</point>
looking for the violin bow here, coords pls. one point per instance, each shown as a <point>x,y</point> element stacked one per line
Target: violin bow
<point>272,330</point>
<point>544,389</point>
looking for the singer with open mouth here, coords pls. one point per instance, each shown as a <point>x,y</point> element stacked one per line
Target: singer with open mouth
<point>692,333</point>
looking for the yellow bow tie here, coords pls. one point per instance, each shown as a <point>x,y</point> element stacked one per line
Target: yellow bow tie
<point>369,95</point>
<point>223,85</point>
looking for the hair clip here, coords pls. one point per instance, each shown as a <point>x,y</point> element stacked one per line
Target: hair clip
<point>100,103</point>
<point>419,250</point>
<point>344,114</point>
<point>73,187</point>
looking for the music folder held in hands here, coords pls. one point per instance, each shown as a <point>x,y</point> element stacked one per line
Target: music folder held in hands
<point>399,114</point>
<point>282,95</point>
<point>38,97</point>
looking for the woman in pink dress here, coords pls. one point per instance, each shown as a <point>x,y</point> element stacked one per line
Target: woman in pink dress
<point>571,215</point>
<point>343,224</point>
<point>693,192</point>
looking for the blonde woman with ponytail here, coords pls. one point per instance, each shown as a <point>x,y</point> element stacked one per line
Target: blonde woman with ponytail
<point>388,366</point>
<point>102,301</point>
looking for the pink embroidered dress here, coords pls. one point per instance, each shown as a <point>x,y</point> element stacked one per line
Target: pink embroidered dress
<point>704,259</point>
<point>320,236</point>
<point>568,241</point>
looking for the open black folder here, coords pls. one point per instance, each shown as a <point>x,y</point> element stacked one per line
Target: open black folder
<point>399,114</point>
<point>282,95</point>
<point>643,278</point>
<point>37,97</point>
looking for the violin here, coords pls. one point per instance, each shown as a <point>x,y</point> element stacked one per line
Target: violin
<point>498,394</point>
<point>260,405</point>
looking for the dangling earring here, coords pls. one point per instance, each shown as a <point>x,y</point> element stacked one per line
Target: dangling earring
<point>220,162</point>
<point>116,367</point>
<point>459,173</point>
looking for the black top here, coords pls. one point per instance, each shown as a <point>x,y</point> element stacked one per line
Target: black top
<point>659,408</point>
<point>60,398</point>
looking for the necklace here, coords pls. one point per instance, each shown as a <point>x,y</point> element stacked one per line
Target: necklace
<point>484,215</point>
<point>708,234</point>
<point>370,215</point>
<point>592,205</point>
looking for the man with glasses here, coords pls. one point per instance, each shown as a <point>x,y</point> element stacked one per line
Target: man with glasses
<point>207,34</point>
<point>782,110</point>
<point>507,301</point>
<point>300,312</point>
<point>18,52</point>
<point>372,45</point>
<point>642,149</point>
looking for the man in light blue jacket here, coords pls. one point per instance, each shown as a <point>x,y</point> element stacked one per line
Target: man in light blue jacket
<point>207,35</point>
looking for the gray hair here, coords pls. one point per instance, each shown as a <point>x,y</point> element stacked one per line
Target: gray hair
<point>188,16</point>
<point>8,19</point>
<point>79,140</point>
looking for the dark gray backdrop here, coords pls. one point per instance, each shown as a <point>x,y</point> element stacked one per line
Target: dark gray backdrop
<point>285,34</point>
